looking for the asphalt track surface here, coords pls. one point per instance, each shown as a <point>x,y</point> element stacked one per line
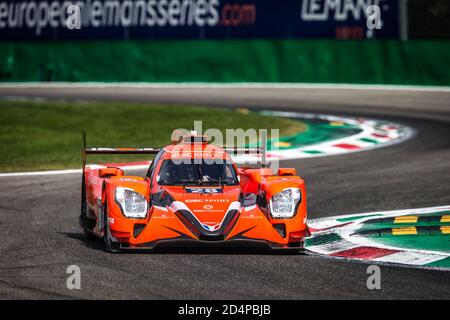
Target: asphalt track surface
<point>41,236</point>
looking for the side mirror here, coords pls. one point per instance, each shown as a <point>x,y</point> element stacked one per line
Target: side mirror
<point>109,172</point>
<point>287,172</point>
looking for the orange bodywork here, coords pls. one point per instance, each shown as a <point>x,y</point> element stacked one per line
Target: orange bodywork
<point>216,213</point>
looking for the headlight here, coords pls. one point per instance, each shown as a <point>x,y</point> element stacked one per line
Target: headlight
<point>133,204</point>
<point>284,203</point>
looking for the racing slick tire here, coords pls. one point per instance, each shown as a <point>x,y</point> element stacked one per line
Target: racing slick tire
<point>84,221</point>
<point>110,245</point>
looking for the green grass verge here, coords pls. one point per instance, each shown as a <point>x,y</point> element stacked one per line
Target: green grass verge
<point>48,135</point>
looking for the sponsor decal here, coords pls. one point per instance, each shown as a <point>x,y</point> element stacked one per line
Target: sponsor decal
<point>163,216</point>
<point>251,216</point>
<point>42,16</point>
<point>338,10</point>
<point>209,227</point>
<point>195,19</point>
<point>351,18</point>
<point>204,190</point>
<point>210,200</point>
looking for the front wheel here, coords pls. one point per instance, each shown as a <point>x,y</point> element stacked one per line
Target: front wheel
<point>110,245</point>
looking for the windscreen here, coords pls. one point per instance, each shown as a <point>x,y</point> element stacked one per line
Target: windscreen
<point>190,173</point>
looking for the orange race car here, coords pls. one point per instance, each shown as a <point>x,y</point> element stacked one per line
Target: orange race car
<point>192,193</point>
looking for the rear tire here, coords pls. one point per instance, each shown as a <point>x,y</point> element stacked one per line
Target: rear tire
<point>83,214</point>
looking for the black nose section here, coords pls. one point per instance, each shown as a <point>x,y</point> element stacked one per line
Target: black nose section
<point>220,234</point>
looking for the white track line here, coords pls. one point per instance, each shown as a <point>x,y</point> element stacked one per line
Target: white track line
<point>40,173</point>
<point>59,172</point>
<point>244,85</point>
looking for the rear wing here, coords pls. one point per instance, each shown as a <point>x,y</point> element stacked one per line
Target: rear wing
<point>259,151</point>
<point>91,151</point>
<point>121,151</point>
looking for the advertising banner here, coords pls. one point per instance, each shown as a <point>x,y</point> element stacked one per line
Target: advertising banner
<point>198,19</point>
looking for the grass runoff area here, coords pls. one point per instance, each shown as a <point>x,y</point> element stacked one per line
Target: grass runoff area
<point>48,135</point>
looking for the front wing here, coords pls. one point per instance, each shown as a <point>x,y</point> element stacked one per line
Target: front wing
<point>247,226</point>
